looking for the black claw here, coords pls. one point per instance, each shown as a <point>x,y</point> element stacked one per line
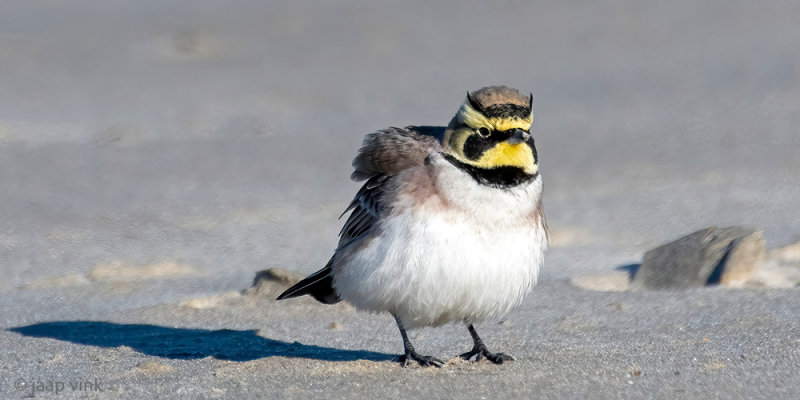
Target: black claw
<point>411,354</point>
<point>404,361</point>
<point>479,351</point>
<point>469,354</point>
<point>424,361</point>
<point>499,358</point>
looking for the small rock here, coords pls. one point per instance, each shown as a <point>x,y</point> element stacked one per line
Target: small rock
<point>700,258</point>
<point>279,275</point>
<point>745,255</point>
<point>335,326</point>
<point>265,281</point>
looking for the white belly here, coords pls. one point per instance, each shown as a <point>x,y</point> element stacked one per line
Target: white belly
<point>430,269</point>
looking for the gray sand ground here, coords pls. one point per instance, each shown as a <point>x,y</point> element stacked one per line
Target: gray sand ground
<point>155,155</point>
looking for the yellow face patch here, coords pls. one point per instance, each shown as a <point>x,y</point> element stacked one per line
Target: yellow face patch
<point>502,154</point>
<point>509,155</point>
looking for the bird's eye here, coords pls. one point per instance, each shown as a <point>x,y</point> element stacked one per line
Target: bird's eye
<point>485,132</point>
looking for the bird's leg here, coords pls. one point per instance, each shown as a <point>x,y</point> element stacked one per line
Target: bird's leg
<point>480,350</point>
<point>411,354</point>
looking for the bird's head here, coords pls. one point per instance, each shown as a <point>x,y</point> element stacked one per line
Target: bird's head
<point>492,130</point>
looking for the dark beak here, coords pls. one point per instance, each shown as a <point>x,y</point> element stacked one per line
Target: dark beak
<point>519,136</point>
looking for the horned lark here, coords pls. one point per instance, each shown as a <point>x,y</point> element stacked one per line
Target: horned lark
<point>449,226</point>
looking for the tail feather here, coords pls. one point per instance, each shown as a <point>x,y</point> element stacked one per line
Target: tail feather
<point>318,285</point>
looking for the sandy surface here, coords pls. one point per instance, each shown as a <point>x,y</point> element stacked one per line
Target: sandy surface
<point>155,155</point>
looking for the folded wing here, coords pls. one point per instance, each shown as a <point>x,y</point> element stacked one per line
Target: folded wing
<point>383,154</point>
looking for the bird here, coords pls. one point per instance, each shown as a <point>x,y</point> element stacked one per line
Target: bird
<point>448,226</point>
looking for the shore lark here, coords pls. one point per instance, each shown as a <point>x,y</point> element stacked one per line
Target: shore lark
<point>449,225</point>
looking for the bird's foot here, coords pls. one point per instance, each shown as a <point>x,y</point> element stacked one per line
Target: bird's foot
<point>481,352</point>
<point>425,361</point>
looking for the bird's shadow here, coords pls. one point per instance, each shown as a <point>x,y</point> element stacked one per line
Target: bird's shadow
<point>182,343</point>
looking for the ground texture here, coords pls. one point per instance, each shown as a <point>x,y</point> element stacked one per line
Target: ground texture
<point>155,155</point>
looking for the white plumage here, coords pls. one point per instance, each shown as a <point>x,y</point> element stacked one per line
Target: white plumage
<point>470,261</point>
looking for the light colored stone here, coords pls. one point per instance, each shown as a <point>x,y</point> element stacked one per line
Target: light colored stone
<point>744,256</point>
<point>701,258</point>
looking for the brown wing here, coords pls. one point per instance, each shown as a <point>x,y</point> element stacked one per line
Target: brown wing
<point>383,154</point>
<point>392,150</point>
